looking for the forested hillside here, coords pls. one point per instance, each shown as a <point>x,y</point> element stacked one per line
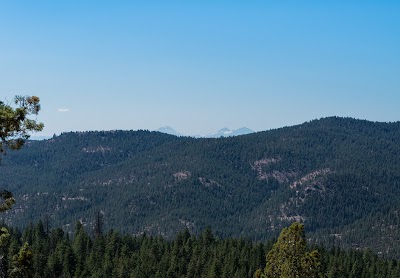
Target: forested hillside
<point>339,176</point>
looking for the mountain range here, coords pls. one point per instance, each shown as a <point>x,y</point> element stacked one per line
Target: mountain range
<point>224,132</point>
<point>339,176</point>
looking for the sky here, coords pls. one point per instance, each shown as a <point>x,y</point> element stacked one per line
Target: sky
<point>199,66</point>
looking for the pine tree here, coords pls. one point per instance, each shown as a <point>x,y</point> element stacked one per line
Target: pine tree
<point>22,263</point>
<point>15,126</point>
<point>289,257</point>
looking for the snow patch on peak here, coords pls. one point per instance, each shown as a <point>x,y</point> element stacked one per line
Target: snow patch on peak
<point>169,130</point>
<point>226,132</point>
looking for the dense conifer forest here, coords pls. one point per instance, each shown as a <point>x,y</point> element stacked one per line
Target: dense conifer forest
<point>339,176</point>
<point>54,253</point>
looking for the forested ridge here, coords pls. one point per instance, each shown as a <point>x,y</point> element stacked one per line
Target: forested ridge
<point>340,176</point>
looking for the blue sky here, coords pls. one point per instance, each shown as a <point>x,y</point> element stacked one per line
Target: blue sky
<point>199,66</point>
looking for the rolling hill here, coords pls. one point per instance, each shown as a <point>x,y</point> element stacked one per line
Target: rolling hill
<point>340,176</point>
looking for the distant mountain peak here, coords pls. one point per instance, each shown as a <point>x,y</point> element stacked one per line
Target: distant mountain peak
<point>223,132</point>
<point>169,130</point>
<point>226,132</point>
<point>244,129</point>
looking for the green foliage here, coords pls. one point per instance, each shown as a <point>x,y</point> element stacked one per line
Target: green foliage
<point>289,257</point>
<point>4,236</point>
<point>58,254</point>
<point>21,265</point>
<point>15,124</point>
<point>8,200</point>
<point>346,173</point>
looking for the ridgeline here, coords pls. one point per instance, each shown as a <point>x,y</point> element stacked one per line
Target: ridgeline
<point>339,176</point>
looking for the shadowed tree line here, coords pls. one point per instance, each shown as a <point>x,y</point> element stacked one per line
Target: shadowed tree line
<point>59,254</point>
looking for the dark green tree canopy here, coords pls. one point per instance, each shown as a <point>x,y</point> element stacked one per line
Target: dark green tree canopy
<point>15,126</point>
<point>289,258</point>
<point>15,123</point>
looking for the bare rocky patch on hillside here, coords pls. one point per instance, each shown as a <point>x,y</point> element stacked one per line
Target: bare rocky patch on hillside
<point>262,174</point>
<point>183,175</point>
<point>208,182</point>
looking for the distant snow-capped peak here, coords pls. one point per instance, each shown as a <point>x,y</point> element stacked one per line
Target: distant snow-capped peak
<point>169,130</point>
<point>223,132</point>
<point>226,132</point>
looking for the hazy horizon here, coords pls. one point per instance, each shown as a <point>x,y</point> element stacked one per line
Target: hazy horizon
<point>40,136</point>
<point>201,66</point>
